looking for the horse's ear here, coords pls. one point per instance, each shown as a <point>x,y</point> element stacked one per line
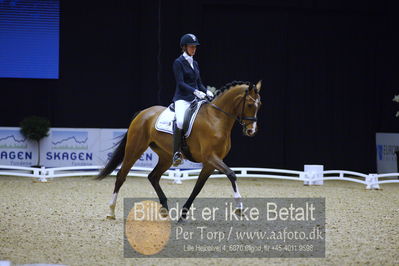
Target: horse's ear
<point>259,85</point>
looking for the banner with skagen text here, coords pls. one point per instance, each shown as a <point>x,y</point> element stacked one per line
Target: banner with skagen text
<point>70,147</point>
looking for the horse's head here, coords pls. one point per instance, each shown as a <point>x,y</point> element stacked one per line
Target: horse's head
<point>249,109</point>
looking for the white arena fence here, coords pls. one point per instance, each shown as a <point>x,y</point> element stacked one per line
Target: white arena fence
<point>312,175</point>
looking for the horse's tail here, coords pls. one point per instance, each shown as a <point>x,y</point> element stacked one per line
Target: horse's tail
<point>116,157</point>
<point>115,160</point>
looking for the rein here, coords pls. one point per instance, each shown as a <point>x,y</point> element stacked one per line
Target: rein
<point>241,118</point>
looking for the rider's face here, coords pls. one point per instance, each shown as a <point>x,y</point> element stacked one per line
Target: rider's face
<point>191,50</point>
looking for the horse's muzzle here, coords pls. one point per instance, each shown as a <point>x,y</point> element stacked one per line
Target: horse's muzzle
<point>250,132</point>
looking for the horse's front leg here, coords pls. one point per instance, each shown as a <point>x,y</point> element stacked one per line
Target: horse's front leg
<point>222,167</point>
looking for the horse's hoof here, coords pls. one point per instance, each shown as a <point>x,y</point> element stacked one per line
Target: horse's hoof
<point>238,212</point>
<point>111,217</point>
<point>182,220</point>
<point>164,212</point>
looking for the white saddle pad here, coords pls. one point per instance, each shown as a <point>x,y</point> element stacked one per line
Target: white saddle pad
<point>165,121</point>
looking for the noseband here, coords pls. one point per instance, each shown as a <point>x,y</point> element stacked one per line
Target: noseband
<point>241,118</point>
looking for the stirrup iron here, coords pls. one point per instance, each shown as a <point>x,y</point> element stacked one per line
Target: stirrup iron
<point>177,159</point>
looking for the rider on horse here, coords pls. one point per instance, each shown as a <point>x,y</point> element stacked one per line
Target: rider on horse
<point>188,86</point>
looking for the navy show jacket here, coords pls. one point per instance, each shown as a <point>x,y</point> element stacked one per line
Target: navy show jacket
<point>187,79</point>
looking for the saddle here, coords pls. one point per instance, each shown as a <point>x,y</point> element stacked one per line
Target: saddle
<point>166,122</point>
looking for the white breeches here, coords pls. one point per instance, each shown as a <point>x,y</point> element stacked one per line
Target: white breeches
<point>180,109</point>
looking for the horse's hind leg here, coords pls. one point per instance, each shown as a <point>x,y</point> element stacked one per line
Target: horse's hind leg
<point>135,146</point>
<point>164,162</point>
<point>206,171</point>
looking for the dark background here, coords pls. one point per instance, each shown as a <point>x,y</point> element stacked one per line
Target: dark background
<point>329,70</point>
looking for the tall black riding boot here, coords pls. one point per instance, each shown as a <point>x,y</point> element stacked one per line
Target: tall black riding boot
<point>177,155</point>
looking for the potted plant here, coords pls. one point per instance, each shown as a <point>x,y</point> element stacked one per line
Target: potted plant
<point>35,128</point>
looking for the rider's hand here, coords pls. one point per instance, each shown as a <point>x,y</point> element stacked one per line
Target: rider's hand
<point>209,94</point>
<point>199,94</point>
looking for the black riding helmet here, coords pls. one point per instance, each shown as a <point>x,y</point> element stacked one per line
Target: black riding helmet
<point>188,39</point>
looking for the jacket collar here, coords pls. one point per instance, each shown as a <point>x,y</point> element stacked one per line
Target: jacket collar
<point>184,61</point>
<point>187,57</point>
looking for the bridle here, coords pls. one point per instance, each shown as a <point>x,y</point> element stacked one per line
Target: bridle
<point>241,118</point>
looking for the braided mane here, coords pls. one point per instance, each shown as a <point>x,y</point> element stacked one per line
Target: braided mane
<point>230,85</point>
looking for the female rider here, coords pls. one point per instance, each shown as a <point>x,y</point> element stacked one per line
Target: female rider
<point>188,86</point>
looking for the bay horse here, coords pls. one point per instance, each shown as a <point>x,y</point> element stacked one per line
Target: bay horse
<point>209,141</point>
